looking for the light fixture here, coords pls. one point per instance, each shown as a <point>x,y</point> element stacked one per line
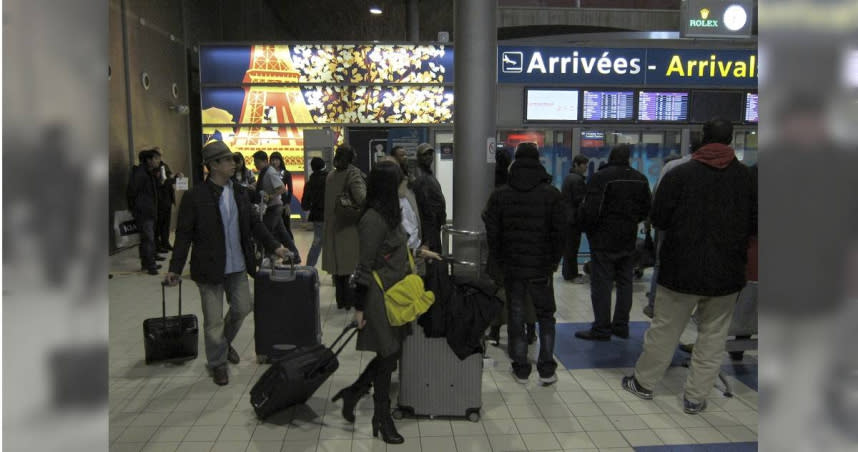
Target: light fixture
<point>374,10</point>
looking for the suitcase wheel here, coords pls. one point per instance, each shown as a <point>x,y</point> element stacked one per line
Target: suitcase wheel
<point>473,415</point>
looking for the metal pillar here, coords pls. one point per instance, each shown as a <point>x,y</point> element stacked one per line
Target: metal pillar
<point>413,20</point>
<point>475,28</point>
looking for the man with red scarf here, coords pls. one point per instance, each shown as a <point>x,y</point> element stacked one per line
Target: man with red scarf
<point>707,210</point>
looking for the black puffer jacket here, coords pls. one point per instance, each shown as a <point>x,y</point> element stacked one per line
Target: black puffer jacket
<point>707,215</point>
<point>618,198</point>
<point>525,220</point>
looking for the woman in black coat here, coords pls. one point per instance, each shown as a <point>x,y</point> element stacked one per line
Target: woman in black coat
<point>314,202</point>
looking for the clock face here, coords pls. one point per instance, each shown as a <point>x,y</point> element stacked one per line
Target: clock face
<point>735,17</point>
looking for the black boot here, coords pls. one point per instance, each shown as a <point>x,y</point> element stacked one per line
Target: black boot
<point>494,335</point>
<point>383,423</point>
<point>350,395</point>
<point>531,333</point>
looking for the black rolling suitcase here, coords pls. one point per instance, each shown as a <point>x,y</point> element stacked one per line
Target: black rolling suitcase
<point>171,339</point>
<point>285,308</point>
<point>295,374</point>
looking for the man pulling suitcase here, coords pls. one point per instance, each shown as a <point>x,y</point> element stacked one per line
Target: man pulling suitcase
<point>215,216</point>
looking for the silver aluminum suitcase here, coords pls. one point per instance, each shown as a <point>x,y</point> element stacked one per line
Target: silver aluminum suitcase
<point>433,381</point>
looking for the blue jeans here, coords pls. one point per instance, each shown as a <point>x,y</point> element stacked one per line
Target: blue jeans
<point>219,330</point>
<point>316,247</point>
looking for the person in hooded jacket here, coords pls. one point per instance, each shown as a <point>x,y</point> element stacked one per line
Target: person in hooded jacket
<point>525,227</point>
<point>707,210</point>
<point>617,199</point>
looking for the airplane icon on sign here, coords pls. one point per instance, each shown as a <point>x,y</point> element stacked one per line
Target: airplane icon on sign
<point>512,62</point>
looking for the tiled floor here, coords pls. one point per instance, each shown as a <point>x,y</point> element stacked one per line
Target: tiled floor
<point>178,408</point>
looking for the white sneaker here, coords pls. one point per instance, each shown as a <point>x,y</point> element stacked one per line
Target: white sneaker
<point>547,381</point>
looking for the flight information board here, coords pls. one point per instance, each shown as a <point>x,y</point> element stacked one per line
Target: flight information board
<point>662,106</point>
<point>751,108</point>
<point>726,105</point>
<point>608,105</point>
<point>551,105</point>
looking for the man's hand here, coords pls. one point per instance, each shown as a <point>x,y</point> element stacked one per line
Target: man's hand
<point>171,279</point>
<point>283,253</point>
<point>361,322</point>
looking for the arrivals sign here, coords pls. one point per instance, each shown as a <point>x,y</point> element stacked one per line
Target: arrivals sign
<point>716,18</point>
<point>632,67</point>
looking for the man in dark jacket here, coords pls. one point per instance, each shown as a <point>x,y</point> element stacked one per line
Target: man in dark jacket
<point>525,223</point>
<point>430,198</point>
<point>314,201</point>
<point>573,190</point>
<point>617,199</point>
<point>215,216</point>
<point>142,194</point>
<point>166,198</point>
<point>707,211</point>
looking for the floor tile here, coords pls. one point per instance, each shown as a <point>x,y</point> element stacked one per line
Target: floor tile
<point>435,427</point>
<point>578,440</point>
<point>334,445</point>
<point>467,428</point>
<point>230,446</point>
<point>596,423</point>
<point>608,439</point>
<point>136,434</point>
<point>540,441</point>
<point>564,425</point>
<point>159,447</point>
<point>500,427</point>
<point>437,443</point>
<point>507,443</point>
<point>170,434</point>
<point>236,433</point>
<point>195,447</point>
<point>705,435</point>
<point>473,444</point>
<point>738,433</point>
<point>368,445</point>
<point>527,426</point>
<point>638,438</point>
<point>674,436</point>
<point>628,422</point>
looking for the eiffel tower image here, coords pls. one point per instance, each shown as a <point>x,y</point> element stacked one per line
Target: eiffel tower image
<point>266,106</point>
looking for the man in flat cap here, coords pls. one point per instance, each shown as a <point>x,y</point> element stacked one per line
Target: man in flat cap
<point>215,216</point>
<point>430,198</point>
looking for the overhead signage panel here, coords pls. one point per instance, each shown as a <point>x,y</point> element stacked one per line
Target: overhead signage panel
<point>629,67</point>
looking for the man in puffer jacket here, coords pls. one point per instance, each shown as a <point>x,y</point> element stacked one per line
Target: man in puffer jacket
<point>617,199</point>
<point>525,226</point>
<point>707,209</point>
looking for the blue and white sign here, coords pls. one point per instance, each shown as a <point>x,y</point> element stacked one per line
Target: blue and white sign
<point>631,67</point>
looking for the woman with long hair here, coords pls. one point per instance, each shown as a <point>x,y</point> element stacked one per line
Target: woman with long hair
<point>384,250</point>
<point>242,175</point>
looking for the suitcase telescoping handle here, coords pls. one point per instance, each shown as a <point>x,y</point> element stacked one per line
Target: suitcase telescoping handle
<point>351,326</point>
<point>164,299</point>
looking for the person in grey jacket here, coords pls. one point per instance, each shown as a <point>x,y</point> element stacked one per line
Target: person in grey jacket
<point>341,241</point>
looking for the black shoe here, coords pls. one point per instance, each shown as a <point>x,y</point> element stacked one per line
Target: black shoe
<point>232,356</point>
<point>387,428</point>
<point>531,333</point>
<point>621,332</point>
<point>220,375</point>
<point>350,396</point>
<point>591,336</point>
<point>152,270</point>
<point>691,407</point>
<point>631,384</point>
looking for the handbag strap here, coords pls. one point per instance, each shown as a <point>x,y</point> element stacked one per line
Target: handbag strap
<point>410,262</point>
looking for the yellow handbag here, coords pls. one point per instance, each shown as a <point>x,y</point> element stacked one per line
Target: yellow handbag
<point>407,299</point>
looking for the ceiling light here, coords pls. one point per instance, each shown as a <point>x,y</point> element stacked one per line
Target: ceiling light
<point>374,10</point>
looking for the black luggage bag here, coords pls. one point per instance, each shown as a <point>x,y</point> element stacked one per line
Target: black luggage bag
<point>170,339</point>
<point>295,374</point>
<point>285,308</point>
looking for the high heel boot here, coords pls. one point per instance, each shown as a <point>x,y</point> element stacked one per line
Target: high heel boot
<point>383,423</point>
<point>350,395</point>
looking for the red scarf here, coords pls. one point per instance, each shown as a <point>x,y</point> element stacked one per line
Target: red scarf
<point>716,155</point>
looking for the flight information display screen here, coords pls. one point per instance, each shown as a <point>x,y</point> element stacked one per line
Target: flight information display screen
<point>751,108</point>
<point>662,106</point>
<point>608,105</point>
<point>706,105</point>
<point>551,105</point>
